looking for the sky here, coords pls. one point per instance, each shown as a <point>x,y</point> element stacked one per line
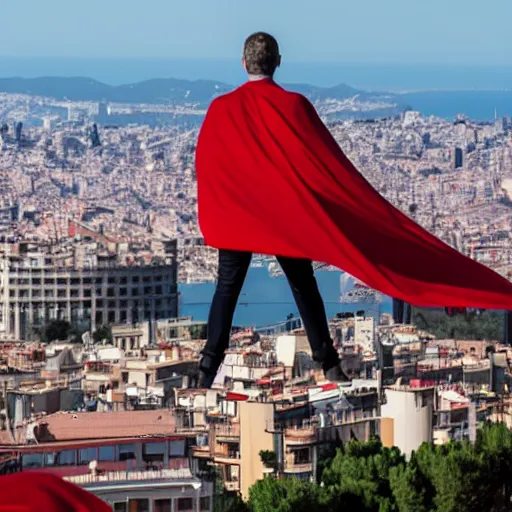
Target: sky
<point>440,32</point>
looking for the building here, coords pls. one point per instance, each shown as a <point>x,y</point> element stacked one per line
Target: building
<point>83,286</point>
<point>133,460</point>
<point>408,414</point>
<point>458,158</point>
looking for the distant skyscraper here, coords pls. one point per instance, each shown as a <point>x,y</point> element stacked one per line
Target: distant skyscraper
<point>4,130</point>
<point>19,129</point>
<point>95,137</point>
<point>458,158</point>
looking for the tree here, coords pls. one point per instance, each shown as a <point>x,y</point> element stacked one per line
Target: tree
<point>269,459</point>
<point>287,495</point>
<point>102,333</point>
<point>56,330</point>
<point>361,470</point>
<point>411,489</point>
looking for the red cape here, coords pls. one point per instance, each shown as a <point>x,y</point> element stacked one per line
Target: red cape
<point>37,492</point>
<point>272,180</point>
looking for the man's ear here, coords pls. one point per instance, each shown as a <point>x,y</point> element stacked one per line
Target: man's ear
<point>243,64</point>
<point>279,61</point>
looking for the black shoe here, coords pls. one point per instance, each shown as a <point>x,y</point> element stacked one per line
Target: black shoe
<point>336,374</point>
<point>205,380</point>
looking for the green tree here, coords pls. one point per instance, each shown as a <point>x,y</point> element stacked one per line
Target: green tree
<point>287,495</point>
<point>361,470</point>
<point>411,489</point>
<point>102,333</point>
<point>56,330</point>
<point>269,459</point>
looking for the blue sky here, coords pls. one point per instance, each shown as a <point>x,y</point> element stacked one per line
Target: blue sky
<point>368,31</point>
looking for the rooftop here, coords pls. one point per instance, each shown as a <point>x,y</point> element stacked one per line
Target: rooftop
<point>106,425</point>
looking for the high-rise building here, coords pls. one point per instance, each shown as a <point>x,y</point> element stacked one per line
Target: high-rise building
<point>458,158</point>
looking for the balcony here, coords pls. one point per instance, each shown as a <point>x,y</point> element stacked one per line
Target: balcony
<point>300,436</point>
<point>299,468</point>
<point>232,486</point>
<point>227,432</point>
<point>132,477</point>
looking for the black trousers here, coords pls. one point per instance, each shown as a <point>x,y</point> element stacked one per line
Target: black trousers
<point>233,267</point>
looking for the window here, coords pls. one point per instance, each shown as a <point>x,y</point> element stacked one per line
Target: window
<point>107,453</point>
<point>146,279</point>
<point>99,280</point>
<point>124,375</point>
<point>162,506</point>
<point>148,290</point>
<point>123,304</point>
<point>123,292</point>
<point>88,280</point>
<point>153,452</point>
<point>63,458</point>
<point>112,304</point>
<point>75,281</point>
<point>87,293</point>
<point>205,503</point>
<point>140,505</point>
<point>177,448</point>
<point>32,460</point>
<point>123,280</point>
<point>158,289</point>
<point>99,303</point>
<point>123,317</point>
<point>111,317</point>
<point>135,279</point>
<point>185,504</point>
<point>126,451</point>
<point>75,294</point>
<point>86,455</point>
<point>111,280</point>
<point>135,292</point>
<point>121,507</point>
<point>111,292</point>
<point>62,281</point>
<point>61,294</point>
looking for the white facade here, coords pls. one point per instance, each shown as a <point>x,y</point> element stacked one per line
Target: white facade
<point>34,290</point>
<point>411,410</point>
<point>364,333</point>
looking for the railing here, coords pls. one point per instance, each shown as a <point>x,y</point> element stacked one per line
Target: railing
<point>232,486</point>
<point>124,476</point>
<point>299,468</point>
<point>227,430</point>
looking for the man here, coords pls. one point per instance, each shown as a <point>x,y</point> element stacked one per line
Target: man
<point>272,180</point>
<point>261,59</point>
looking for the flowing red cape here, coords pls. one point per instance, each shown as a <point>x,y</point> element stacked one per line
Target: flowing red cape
<point>42,492</point>
<point>272,180</point>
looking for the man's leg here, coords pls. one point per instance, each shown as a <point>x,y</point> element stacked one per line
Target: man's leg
<point>303,283</point>
<point>233,266</point>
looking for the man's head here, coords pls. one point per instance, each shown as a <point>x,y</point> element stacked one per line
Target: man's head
<point>261,54</point>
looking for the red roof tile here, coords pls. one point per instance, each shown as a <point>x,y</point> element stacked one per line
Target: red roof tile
<point>105,425</point>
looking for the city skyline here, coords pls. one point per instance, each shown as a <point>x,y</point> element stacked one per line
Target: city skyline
<point>397,32</point>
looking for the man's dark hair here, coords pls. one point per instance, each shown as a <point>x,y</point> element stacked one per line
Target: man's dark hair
<point>261,54</point>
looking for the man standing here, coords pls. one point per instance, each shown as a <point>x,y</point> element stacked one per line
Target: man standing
<point>273,180</point>
<point>261,59</point>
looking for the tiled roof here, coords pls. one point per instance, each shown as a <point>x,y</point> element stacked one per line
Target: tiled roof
<point>105,425</point>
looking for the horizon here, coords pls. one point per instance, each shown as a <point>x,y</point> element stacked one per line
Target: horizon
<point>391,77</point>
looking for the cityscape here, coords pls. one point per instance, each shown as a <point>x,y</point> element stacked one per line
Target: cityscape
<point>106,284</point>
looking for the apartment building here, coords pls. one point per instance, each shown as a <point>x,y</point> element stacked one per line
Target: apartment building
<point>85,285</point>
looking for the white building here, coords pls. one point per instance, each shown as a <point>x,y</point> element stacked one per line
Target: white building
<point>410,411</point>
<point>37,286</point>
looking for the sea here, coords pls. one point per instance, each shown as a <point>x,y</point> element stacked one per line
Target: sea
<point>267,300</point>
<point>440,90</point>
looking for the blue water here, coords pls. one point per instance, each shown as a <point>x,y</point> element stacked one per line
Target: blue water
<point>431,79</point>
<point>266,300</point>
